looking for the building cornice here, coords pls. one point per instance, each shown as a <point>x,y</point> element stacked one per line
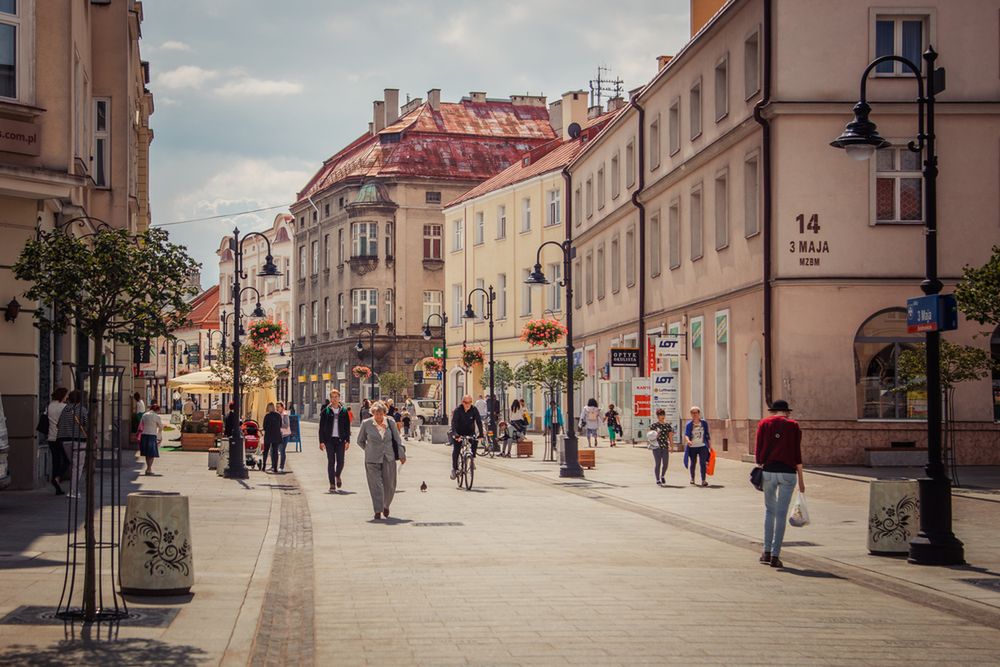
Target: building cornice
<point>843,107</point>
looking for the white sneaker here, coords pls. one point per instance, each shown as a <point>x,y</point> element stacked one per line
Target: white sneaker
<point>281,470</point>
<point>454,474</point>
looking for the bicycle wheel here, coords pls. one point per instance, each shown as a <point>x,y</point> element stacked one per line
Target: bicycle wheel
<point>460,476</point>
<point>469,474</point>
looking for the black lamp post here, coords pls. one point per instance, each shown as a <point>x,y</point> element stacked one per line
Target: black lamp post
<point>428,334</point>
<point>360,348</point>
<point>470,314</point>
<point>237,466</point>
<point>187,351</point>
<point>291,370</point>
<point>935,544</point>
<point>571,463</point>
<point>209,357</point>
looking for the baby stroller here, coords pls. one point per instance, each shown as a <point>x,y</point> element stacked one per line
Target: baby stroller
<point>251,442</point>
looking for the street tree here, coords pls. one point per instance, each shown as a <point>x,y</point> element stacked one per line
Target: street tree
<point>547,374</point>
<point>255,369</point>
<point>393,382</point>
<point>111,286</point>
<point>978,293</point>
<point>503,378</point>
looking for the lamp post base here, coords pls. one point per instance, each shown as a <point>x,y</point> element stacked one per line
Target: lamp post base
<point>571,466</point>
<point>237,473</point>
<point>936,544</point>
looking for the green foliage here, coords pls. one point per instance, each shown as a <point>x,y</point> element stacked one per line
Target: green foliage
<point>391,383</point>
<point>548,374</point>
<point>959,363</point>
<point>255,368</point>
<point>503,377</point>
<point>978,293</point>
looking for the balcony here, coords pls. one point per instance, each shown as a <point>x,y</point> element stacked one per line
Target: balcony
<point>362,264</point>
<point>433,264</point>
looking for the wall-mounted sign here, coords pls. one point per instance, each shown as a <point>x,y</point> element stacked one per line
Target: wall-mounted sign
<point>668,346</point>
<point>641,397</point>
<point>327,376</point>
<point>625,357</point>
<point>314,378</point>
<point>666,393</point>
<point>20,137</point>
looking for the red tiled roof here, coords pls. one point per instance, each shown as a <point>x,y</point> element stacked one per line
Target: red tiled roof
<point>549,157</point>
<point>460,140</point>
<point>204,310</point>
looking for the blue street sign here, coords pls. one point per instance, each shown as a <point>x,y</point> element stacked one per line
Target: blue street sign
<point>937,312</point>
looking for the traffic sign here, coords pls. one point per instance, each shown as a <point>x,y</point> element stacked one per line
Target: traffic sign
<point>936,312</point>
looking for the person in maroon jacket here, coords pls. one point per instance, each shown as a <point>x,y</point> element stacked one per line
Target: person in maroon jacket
<point>779,453</point>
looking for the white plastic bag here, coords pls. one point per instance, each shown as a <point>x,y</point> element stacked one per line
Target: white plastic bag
<point>800,513</point>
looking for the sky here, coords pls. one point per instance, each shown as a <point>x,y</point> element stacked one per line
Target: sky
<point>251,96</point>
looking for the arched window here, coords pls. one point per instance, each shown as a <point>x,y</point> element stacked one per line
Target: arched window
<point>877,346</point>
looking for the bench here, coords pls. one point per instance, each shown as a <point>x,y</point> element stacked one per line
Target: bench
<point>876,457</point>
<point>587,458</point>
<point>525,448</point>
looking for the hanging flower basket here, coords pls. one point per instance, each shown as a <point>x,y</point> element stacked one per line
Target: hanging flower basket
<point>432,365</point>
<point>361,372</point>
<point>265,333</point>
<point>472,356</point>
<point>543,332</point>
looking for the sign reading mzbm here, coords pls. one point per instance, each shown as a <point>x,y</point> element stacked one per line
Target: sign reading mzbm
<point>936,312</point>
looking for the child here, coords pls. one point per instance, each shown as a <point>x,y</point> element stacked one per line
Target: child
<point>406,424</point>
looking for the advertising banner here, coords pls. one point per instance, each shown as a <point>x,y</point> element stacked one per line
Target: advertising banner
<point>666,393</point>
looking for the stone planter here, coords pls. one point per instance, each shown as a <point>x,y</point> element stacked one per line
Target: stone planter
<point>893,516</point>
<point>220,469</point>
<point>156,554</point>
<point>439,433</point>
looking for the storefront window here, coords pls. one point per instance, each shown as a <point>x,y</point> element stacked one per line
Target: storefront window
<point>877,346</point>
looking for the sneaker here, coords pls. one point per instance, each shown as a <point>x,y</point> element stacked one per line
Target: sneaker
<point>776,562</point>
<point>663,481</point>
<point>703,483</point>
<point>659,482</point>
<point>339,483</point>
<point>282,470</point>
<point>692,480</point>
<point>333,488</point>
<point>765,558</point>
<point>454,474</point>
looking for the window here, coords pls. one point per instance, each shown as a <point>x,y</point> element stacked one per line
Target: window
<point>697,225</point>
<point>553,214</point>
<point>480,228</point>
<point>340,310</point>
<point>630,164</point>
<point>431,197</point>
<point>555,290</point>
<point>364,306</point>
<point>577,292</point>
<point>11,49</point>
<point>526,214</point>
<point>901,36</point>
<point>432,241</point>
<point>501,222</point>
<point>674,233</point>
<point>315,318</point>
<point>877,346</point>
<point>303,329</point>
<point>326,210</point>
<point>303,269</point>
<point>389,245</point>
<point>315,216</point>
<point>480,300</point>
<point>722,88</point>
<point>630,257</point>
<point>675,125</point>
<point>526,291</point>
<point>326,313</point>
<point>102,140</point>
<point>326,252</point>
<point>501,310</point>
<point>898,186</point>
<point>722,210</point>
<point>457,307</point>
<point>340,246</point>
<point>287,273</point>
<point>616,265</point>
<point>590,196</point>
<point>600,272</point>
<point>698,364</point>
<point>751,193</point>
<point>695,107</point>
<point>616,185</point>
<point>654,245</point>
<point>364,239</point>
<point>600,188</point>
<point>722,364</point>
<point>433,305</point>
<point>751,65</point>
<point>577,206</point>
<point>390,315</point>
<point>458,235</point>
<point>654,143</point>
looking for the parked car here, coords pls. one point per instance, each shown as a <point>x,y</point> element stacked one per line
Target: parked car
<point>426,410</point>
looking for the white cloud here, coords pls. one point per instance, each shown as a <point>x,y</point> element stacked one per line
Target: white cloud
<point>186,76</point>
<point>174,45</point>
<point>167,101</point>
<point>238,83</point>
<point>252,86</point>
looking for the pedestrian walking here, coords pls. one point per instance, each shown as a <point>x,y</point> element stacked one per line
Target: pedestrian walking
<point>272,437</point>
<point>60,462</point>
<point>697,442</point>
<point>553,424</point>
<point>481,406</point>
<point>232,421</point>
<point>366,409</point>
<point>335,438</point>
<point>151,428</point>
<point>72,432</point>
<point>779,453</point>
<point>661,439</point>
<point>379,438</point>
<point>286,433</point>
<point>613,422</point>
<point>407,420</point>
<point>138,411</point>
<point>590,421</point>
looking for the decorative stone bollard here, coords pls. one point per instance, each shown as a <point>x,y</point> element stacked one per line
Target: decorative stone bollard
<point>213,458</point>
<point>893,516</point>
<point>156,556</point>
<point>220,468</point>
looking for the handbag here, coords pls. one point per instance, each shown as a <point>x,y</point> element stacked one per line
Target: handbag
<point>757,478</point>
<point>43,424</point>
<point>710,468</point>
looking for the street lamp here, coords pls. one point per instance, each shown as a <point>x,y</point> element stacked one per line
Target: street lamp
<point>571,460</point>
<point>444,359</point>
<point>291,373</point>
<point>935,544</point>
<point>237,466</point>
<point>360,348</point>
<point>209,356</point>
<point>470,314</point>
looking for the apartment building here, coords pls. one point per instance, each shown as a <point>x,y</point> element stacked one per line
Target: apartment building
<point>782,266</point>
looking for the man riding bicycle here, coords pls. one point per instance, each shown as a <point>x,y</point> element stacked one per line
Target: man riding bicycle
<point>464,421</point>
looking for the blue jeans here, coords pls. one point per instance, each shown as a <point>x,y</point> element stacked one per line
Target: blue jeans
<point>778,488</point>
<point>699,455</point>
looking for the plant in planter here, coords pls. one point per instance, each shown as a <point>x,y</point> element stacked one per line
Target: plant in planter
<point>472,356</point>
<point>361,372</point>
<point>543,332</point>
<point>432,365</point>
<point>265,333</point>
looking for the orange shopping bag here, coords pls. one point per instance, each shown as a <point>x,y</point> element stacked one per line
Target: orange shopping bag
<point>710,468</point>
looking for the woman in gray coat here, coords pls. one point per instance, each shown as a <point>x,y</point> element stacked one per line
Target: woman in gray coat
<point>379,438</point>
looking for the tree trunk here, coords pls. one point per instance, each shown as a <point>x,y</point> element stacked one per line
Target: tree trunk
<point>90,545</point>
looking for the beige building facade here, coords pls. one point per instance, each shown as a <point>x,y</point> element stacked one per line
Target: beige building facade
<point>782,265</point>
<point>74,139</point>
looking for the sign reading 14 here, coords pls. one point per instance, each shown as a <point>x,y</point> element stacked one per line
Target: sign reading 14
<point>809,250</point>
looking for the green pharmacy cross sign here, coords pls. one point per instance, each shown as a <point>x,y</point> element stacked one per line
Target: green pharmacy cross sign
<point>439,353</point>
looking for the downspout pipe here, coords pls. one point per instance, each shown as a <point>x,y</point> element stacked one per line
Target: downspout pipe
<point>766,222</point>
<point>642,233</point>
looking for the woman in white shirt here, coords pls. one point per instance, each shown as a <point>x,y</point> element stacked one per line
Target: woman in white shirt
<point>151,428</point>
<point>590,421</point>
<point>59,460</point>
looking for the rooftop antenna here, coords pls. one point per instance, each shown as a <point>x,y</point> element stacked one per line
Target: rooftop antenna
<point>603,86</point>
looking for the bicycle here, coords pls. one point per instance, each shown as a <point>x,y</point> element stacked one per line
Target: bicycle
<point>466,463</point>
<point>486,445</point>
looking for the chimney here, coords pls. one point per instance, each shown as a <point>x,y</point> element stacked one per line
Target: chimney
<point>594,111</point>
<point>434,98</point>
<point>574,110</point>
<point>378,116</point>
<point>411,105</point>
<point>555,117</point>
<point>477,96</point>
<point>391,105</point>
<point>616,103</point>
<point>702,12</point>
<point>528,100</point>
<point>662,61</point>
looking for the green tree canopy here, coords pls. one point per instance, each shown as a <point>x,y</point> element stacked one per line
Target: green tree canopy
<point>255,368</point>
<point>959,363</point>
<point>393,382</point>
<point>503,377</point>
<point>978,293</point>
<point>547,374</point>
